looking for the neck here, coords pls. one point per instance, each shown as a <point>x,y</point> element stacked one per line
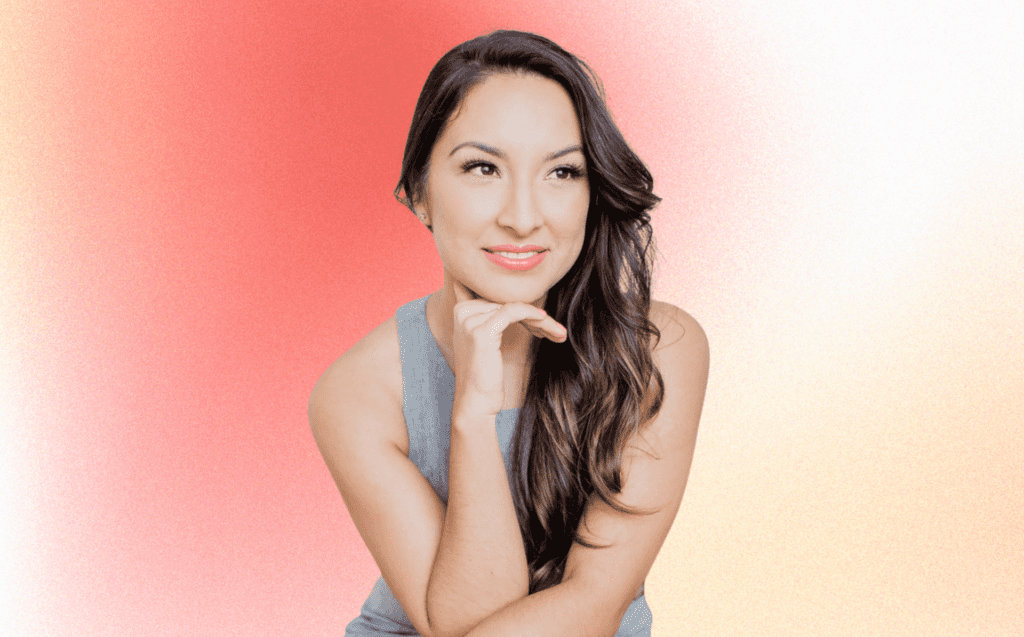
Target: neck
<point>515,341</point>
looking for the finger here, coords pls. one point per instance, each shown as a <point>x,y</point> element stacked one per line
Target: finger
<point>546,328</point>
<point>465,312</point>
<point>467,303</point>
<point>474,314</point>
<point>470,308</point>
<point>530,316</point>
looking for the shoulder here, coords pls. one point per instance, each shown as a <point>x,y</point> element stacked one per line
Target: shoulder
<point>682,357</point>
<point>683,343</point>
<point>363,386</point>
<point>654,468</point>
<point>373,364</point>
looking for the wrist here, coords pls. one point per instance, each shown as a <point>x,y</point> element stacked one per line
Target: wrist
<point>469,415</point>
<point>466,422</point>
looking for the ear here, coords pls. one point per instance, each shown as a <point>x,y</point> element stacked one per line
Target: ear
<point>423,215</point>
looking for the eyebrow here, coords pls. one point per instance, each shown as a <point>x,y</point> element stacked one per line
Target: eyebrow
<point>491,150</point>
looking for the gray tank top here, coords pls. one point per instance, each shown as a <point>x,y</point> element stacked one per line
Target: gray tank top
<point>428,391</point>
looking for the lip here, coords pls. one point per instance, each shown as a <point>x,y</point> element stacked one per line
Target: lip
<point>517,265</point>
<point>506,247</point>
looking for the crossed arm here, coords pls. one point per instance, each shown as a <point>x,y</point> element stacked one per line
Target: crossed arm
<point>462,570</point>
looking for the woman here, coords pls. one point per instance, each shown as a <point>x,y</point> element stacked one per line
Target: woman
<point>514,447</point>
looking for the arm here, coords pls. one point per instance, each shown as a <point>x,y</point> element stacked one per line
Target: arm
<point>356,416</point>
<point>600,583</point>
<point>481,561</point>
<point>355,412</point>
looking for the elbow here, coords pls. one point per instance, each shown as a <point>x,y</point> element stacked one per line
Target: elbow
<point>434,628</point>
<point>439,619</point>
<point>434,632</point>
<point>430,627</point>
<point>447,619</point>
<point>442,629</point>
<point>440,623</point>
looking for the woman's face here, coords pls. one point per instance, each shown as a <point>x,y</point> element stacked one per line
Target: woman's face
<point>507,192</point>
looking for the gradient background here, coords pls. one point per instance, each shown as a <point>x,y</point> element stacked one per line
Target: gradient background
<point>197,219</point>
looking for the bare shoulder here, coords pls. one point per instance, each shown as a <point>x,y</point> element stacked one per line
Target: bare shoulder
<point>682,356</point>
<point>355,412</point>
<point>363,386</point>
<point>655,467</point>
<point>678,329</point>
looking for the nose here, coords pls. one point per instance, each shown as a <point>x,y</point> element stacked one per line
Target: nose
<point>521,213</point>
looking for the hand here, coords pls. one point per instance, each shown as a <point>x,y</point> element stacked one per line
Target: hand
<point>476,338</point>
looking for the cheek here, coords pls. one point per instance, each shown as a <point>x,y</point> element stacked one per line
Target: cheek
<point>460,221</point>
<point>571,228</point>
<point>464,207</point>
<point>465,218</point>
<point>575,222</point>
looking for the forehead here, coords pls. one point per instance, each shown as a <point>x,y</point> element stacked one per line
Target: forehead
<point>515,112</point>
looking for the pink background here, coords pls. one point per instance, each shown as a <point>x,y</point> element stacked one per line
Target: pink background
<point>196,219</point>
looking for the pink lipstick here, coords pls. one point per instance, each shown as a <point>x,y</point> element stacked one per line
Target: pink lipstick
<point>517,258</point>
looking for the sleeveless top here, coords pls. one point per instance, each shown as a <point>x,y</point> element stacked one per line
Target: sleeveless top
<point>428,391</point>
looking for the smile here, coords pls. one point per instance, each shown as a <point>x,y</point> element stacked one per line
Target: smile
<point>516,260</point>
<point>517,255</point>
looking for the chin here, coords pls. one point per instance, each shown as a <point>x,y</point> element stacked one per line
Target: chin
<point>499,294</point>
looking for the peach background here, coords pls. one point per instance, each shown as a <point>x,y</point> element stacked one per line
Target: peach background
<point>195,219</point>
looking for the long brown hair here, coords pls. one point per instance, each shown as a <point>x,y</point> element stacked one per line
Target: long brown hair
<point>585,401</point>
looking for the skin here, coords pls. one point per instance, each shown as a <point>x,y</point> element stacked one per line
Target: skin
<point>460,569</point>
<point>475,199</point>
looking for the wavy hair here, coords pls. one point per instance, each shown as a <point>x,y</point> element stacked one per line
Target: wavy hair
<point>584,402</point>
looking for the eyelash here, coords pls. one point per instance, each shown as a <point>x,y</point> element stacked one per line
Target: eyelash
<point>476,163</point>
<point>575,171</point>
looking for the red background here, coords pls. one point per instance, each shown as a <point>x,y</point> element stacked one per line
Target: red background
<point>196,218</point>
<point>201,221</point>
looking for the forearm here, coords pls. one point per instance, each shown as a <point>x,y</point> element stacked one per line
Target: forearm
<point>564,610</point>
<point>480,566</point>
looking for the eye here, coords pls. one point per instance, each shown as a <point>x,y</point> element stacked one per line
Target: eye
<point>565,173</point>
<point>480,168</point>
